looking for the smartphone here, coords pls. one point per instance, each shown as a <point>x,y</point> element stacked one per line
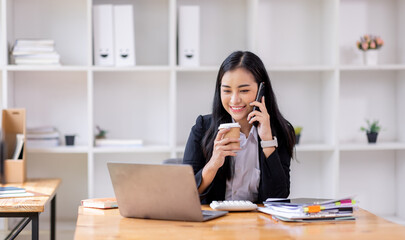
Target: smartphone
<point>260,93</point>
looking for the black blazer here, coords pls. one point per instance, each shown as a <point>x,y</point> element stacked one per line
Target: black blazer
<point>274,171</point>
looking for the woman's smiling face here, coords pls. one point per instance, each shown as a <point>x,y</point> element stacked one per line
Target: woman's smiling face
<point>238,90</point>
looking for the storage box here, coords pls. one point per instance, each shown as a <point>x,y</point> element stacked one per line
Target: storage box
<point>189,36</point>
<point>103,32</point>
<point>13,123</point>
<point>124,39</point>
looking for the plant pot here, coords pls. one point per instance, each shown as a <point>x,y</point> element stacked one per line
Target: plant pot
<point>70,140</point>
<point>297,138</point>
<point>372,137</point>
<point>370,57</point>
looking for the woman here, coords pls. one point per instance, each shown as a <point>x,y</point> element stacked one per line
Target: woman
<point>258,169</point>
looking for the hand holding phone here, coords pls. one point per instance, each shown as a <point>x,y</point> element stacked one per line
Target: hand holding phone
<point>260,94</point>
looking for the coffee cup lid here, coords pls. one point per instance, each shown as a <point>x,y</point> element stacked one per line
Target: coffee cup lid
<point>228,125</point>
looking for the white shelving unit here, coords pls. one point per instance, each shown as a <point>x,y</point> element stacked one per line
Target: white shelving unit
<point>308,47</point>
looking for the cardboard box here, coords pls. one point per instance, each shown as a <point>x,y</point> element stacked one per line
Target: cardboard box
<point>13,123</point>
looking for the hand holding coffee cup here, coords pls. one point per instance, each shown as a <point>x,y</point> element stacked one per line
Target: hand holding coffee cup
<point>226,143</point>
<point>233,133</point>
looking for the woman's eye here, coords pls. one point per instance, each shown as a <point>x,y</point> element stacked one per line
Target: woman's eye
<point>226,91</point>
<point>244,91</point>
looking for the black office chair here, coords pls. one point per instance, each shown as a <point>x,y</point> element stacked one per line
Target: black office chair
<point>173,161</point>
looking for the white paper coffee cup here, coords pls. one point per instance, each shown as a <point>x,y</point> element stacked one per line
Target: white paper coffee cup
<point>233,133</point>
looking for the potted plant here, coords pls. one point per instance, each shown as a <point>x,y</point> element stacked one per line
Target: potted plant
<point>297,130</point>
<point>372,130</point>
<point>101,133</point>
<point>369,44</point>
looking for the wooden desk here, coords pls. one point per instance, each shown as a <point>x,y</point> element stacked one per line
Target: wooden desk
<point>108,224</point>
<point>30,207</point>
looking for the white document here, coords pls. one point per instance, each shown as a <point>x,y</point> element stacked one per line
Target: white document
<point>124,39</point>
<point>189,36</point>
<point>18,145</point>
<point>10,195</point>
<point>103,35</point>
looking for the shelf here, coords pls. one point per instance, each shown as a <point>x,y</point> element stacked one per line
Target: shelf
<point>61,149</point>
<point>65,22</point>
<point>313,37</point>
<point>314,147</point>
<point>131,69</point>
<point>133,105</point>
<point>223,28</point>
<point>370,95</point>
<point>275,68</point>
<point>145,149</point>
<point>371,17</point>
<point>299,148</point>
<point>314,93</point>
<point>372,147</point>
<point>163,68</point>
<point>367,68</point>
<point>60,68</point>
<point>301,68</point>
<point>198,69</point>
<point>298,68</point>
<point>321,68</point>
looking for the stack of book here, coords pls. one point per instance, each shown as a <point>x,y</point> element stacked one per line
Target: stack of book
<point>7,192</point>
<point>35,52</point>
<point>103,203</point>
<point>306,209</point>
<point>42,137</point>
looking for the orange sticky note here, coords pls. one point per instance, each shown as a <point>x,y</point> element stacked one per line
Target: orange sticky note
<point>314,209</point>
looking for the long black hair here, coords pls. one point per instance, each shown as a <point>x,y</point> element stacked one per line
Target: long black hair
<point>279,125</point>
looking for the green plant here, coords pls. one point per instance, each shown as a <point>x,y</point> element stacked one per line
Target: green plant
<point>297,130</point>
<point>372,126</point>
<point>101,133</point>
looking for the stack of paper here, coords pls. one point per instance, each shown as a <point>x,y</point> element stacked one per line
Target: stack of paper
<point>42,137</point>
<point>310,209</point>
<point>6,192</point>
<point>35,52</point>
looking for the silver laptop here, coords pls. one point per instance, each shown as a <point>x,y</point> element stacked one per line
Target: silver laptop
<point>167,192</point>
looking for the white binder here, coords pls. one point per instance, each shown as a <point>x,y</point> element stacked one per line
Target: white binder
<point>103,35</point>
<point>124,39</point>
<point>189,36</point>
